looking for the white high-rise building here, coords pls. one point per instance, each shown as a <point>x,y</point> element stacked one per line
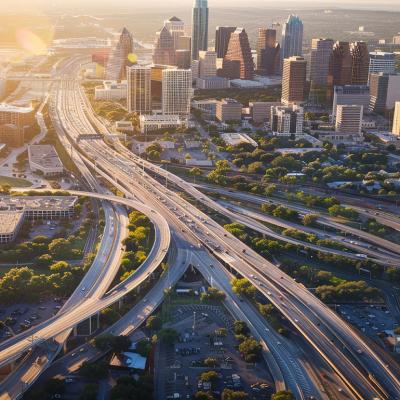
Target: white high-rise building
<point>396,119</point>
<point>207,64</point>
<point>287,120</point>
<point>176,91</point>
<point>349,118</point>
<point>139,89</point>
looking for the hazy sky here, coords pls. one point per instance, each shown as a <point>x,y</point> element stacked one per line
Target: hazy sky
<point>84,5</point>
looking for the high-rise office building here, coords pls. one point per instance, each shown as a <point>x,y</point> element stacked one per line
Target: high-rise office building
<point>381,61</point>
<point>238,61</point>
<point>287,120</point>
<point>119,57</point>
<point>176,28</point>
<point>139,89</point>
<point>340,65</point>
<point>292,37</point>
<point>393,92</point>
<point>182,59</point>
<point>350,95</point>
<point>156,84</point>
<point>360,63</point>
<point>199,27</point>
<point>164,50</point>
<point>349,118</point>
<point>396,39</point>
<point>321,50</point>
<point>207,64</point>
<point>268,52</point>
<point>294,80</point>
<point>378,87</point>
<point>176,91</point>
<point>184,43</point>
<point>396,119</point>
<point>222,36</point>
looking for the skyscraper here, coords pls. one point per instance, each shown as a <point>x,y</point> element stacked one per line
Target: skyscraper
<point>176,91</point>
<point>238,61</point>
<point>321,50</point>
<point>268,52</point>
<point>139,89</point>
<point>360,63</point>
<point>294,80</point>
<point>378,87</point>
<point>292,37</point>
<point>119,57</point>
<point>176,28</point>
<point>340,65</point>
<point>396,119</point>
<point>207,64</point>
<point>164,50</point>
<point>222,36</point>
<point>199,27</point>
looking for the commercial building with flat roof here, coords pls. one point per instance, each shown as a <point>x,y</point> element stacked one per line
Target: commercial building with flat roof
<point>229,110</point>
<point>110,90</point>
<point>349,118</point>
<point>40,207</point>
<point>260,111</point>
<point>10,224</point>
<point>213,82</point>
<point>381,61</point>
<point>350,95</point>
<point>233,139</point>
<point>287,120</point>
<point>19,116</point>
<point>294,80</point>
<point>44,158</point>
<point>153,123</point>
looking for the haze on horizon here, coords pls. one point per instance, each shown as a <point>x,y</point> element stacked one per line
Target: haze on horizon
<point>86,5</point>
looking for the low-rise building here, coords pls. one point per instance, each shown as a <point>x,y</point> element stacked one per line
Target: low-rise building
<point>208,107</point>
<point>124,126</point>
<point>156,122</point>
<point>19,116</point>
<point>338,138</point>
<point>287,120</point>
<point>111,91</point>
<point>233,139</point>
<point>40,207</point>
<point>260,111</point>
<point>44,159</point>
<point>213,82</point>
<point>229,110</point>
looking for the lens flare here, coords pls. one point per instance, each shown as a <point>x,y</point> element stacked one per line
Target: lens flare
<point>132,58</point>
<point>31,43</point>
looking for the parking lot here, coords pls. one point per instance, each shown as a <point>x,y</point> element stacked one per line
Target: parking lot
<point>19,317</point>
<point>180,366</point>
<point>370,319</point>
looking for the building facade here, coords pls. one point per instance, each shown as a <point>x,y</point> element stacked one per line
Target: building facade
<point>350,95</point>
<point>222,36</point>
<point>292,37</point>
<point>381,61</point>
<point>207,64</point>
<point>238,61</point>
<point>294,80</point>
<point>139,89</point>
<point>176,91</point>
<point>228,110</point>
<point>110,91</point>
<point>164,50</point>
<point>378,88</point>
<point>287,120</point>
<point>340,65</point>
<point>396,119</point>
<point>321,50</point>
<point>268,52</point>
<point>199,27</point>
<point>360,63</point>
<point>349,118</point>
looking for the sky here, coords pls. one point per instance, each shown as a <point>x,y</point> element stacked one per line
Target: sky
<point>84,5</point>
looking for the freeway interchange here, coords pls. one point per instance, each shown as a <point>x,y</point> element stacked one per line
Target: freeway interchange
<point>201,241</point>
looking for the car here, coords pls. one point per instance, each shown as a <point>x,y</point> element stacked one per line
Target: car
<point>83,289</point>
<point>267,329</point>
<point>278,343</point>
<point>69,380</point>
<point>144,300</point>
<point>82,350</point>
<point>73,354</point>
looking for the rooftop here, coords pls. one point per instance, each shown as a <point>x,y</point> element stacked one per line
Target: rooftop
<point>4,107</point>
<point>44,155</point>
<point>27,203</point>
<point>9,221</point>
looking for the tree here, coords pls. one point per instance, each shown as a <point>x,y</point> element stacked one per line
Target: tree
<point>250,349</point>
<point>240,328</point>
<point>244,287</point>
<point>168,335</point>
<point>229,394</point>
<point>310,219</point>
<point>143,348</point>
<point>108,316</point>
<point>94,371</point>
<point>154,323</point>
<point>121,343</point>
<point>209,376</point>
<point>89,392</point>
<point>397,330</point>
<point>201,395</point>
<point>283,395</point>
<point>210,362</point>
